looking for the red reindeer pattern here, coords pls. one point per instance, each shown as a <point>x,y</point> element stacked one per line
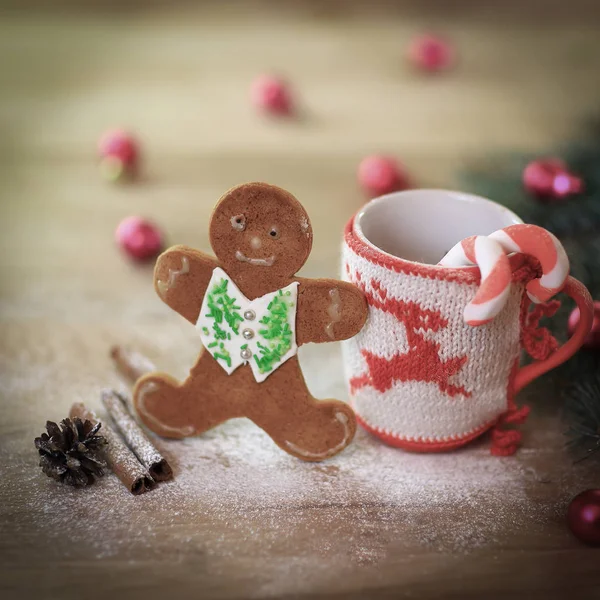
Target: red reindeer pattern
<point>422,362</point>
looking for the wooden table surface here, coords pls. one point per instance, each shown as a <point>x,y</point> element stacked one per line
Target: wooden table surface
<point>179,77</point>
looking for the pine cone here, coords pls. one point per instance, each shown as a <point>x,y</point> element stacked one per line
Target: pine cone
<point>72,453</point>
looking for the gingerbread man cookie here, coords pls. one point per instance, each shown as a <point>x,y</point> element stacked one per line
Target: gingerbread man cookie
<point>252,313</point>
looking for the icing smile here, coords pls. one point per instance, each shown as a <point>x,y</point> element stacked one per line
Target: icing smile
<point>261,262</point>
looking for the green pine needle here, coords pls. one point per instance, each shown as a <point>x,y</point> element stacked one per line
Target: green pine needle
<point>582,411</point>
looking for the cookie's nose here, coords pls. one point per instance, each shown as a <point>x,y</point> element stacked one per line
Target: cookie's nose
<point>255,242</point>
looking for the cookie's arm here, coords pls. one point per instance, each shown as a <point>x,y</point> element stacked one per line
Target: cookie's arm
<point>328,310</point>
<point>181,276</point>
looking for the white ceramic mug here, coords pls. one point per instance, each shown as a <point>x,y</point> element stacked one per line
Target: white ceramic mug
<point>420,378</point>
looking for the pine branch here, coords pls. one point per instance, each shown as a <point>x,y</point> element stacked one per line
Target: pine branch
<point>582,411</point>
<point>576,222</point>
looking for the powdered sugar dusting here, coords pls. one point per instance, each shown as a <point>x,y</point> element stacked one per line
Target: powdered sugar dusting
<point>238,501</point>
<point>235,474</point>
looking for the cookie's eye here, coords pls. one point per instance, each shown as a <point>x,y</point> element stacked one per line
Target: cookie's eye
<point>274,233</point>
<point>238,222</point>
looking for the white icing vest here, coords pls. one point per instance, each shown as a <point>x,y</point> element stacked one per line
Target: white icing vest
<point>237,331</point>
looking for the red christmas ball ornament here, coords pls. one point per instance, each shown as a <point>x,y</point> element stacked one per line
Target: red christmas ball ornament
<point>138,238</point>
<point>592,340</point>
<point>272,95</point>
<point>119,154</point>
<point>550,179</point>
<point>379,175</point>
<point>431,53</point>
<point>583,517</point>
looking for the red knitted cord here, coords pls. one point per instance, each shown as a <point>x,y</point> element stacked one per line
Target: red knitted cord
<point>505,443</point>
<point>539,343</point>
<point>517,416</point>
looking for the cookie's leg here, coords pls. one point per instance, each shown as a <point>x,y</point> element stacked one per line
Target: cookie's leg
<point>175,410</point>
<point>310,429</point>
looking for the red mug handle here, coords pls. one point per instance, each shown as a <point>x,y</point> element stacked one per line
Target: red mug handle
<point>584,301</point>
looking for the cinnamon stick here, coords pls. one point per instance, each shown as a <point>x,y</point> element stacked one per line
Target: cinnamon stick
<point>132,365</point>
<point>119,457</point>
<point>118,408</point>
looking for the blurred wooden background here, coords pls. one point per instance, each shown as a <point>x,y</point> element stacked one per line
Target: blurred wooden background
<point>177,74</point>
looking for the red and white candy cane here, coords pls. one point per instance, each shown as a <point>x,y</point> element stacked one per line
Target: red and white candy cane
<point>496,276</point>
<point>541,244</point>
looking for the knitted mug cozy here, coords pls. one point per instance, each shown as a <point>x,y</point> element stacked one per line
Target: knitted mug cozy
<point>422,379</point>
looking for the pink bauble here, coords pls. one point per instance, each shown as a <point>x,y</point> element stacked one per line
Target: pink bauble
<point>120,144</point>
<point>138,238</point>
<point>583,517</point>
<point>550,179</point>
<point>119,155</point>
<point>271,95</point>
<point>431,53</point>
<point>592,340</point>
<point>538,175</point>
<point>379,175</point>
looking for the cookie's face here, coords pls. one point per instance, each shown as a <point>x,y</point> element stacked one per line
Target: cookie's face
<point>260,228</point>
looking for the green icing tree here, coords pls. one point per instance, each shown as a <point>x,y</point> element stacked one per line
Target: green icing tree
<point>277,333</point>
<point>222,307</point>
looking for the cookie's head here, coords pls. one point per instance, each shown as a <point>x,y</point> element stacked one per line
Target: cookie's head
<point>260,228</point>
